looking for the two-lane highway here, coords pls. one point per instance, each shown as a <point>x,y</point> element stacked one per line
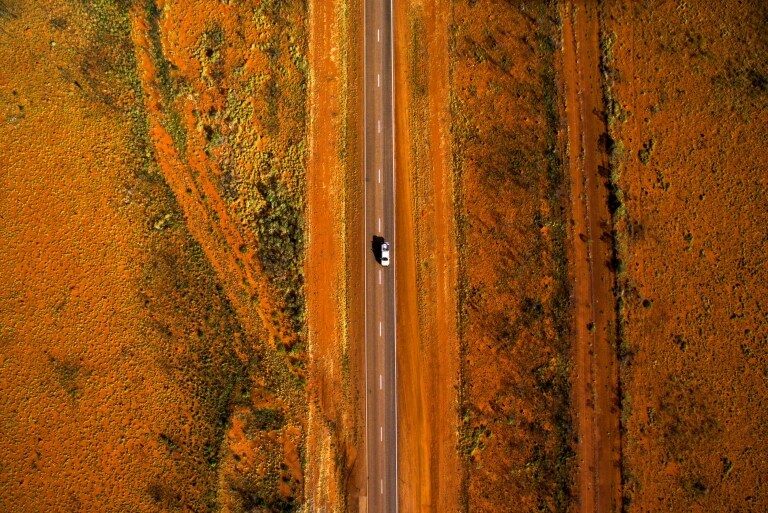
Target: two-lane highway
<point>380,314</point>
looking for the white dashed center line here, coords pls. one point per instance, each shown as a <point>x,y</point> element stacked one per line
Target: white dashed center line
<point>378,125</point>
<point>379,328</point>
<point>379,276</point>
<point>381,486</point>
<point>381,382</point>
<point>379,225</point>
<point>379,175</point>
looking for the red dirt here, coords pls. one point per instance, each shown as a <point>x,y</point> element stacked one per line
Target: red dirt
<point>429,466</point>
<point>335,472</point>
<point>595,376</point>
<point>691,76</point>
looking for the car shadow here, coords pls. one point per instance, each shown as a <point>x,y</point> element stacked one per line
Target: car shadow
<point>376,247</point>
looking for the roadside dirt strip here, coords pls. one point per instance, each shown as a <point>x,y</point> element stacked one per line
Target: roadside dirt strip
<point>596,367</point>
<point>427,357</point>
<point>333,298</point>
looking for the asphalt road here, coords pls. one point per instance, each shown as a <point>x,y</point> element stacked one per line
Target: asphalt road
<point>380,350</point>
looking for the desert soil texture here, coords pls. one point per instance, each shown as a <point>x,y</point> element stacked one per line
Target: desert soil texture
<point>582,228</point>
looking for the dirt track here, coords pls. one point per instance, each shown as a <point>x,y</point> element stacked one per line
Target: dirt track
<point>334,422</point>
<point>596,369</point>
<point>427,344</point>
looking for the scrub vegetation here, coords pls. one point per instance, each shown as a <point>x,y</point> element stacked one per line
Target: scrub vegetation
<point>157,153</point>
<point>516,424</point>
<point>684,87</point>
<point>155,329</point>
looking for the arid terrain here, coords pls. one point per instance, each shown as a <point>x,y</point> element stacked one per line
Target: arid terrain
<point>152,315</point>
<point>581,219</point>
<point>607,179</point>
<point>487,202</point>
<point>515,431</point>
<point>686,85</point>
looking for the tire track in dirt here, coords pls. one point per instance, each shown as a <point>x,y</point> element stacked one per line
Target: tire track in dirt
<point>334,471</point>
<point>429,465</point>
<point>596,368</point>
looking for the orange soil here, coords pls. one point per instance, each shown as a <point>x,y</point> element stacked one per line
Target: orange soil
<point>102,366</point>
<point>429,467</point>
<point>595,377</point>
<point>129,217</point>
<point>334,437</point>
<point>693,78</point>
<point>515,430</point>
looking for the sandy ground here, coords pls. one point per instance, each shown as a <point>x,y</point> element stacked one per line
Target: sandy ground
<point>689,84</point>
<point>152,351</point>
<point>595,370</point>
<point>335,444</point>
<point>515,419</point>
<point>429,466</point>
<point>105,403</point>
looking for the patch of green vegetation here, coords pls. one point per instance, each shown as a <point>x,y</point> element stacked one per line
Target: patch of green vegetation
<point>6,13</point>
<point>280,227</point>
<point>417,57</point>
<point>265,490</point>
<point>621,227</point>
<point>474,439</point>
<point>252,500</point>
<point>266,419</point>
<point>615,150</point>
<point>626,410</point>
<point>727,466</point>
<point>607,42</point>
<point>460,134</point>
<point>645,154</point>
<point>108,73</point>
<point>168,86</point>
<point>210,43</point>
<point>168,442</point>
<point>563,465</point>
<point>261,135</point>
<point>164,495</point>
<point>740,87</point>
<point>189,309</point>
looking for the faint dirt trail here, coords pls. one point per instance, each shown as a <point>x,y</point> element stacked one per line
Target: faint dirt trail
<point>429,465</point>
<point>332,423</point>
<point>414,469</point>
<point>596,368</point>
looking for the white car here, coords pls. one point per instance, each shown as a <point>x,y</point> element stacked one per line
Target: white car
<point>385,254</point>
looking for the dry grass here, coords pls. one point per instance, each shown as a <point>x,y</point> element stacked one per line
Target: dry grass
<point>680,81</point>
<point>516,433</point>
<point>154,384</point>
